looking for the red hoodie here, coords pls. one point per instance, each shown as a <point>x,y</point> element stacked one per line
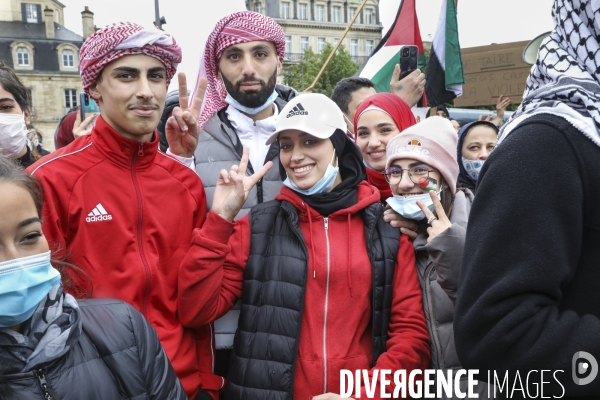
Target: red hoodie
<point>124,213</point>
<point>345,335</point>
<point>377,179</point>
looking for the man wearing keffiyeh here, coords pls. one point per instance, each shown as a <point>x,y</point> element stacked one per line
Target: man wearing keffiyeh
<point>241,61</point>
<point>121,210</point>
<point>528,290</point>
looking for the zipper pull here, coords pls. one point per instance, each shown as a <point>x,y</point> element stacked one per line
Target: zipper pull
<point>326,220</point>
<point>314,274</point>
<point>141,150</point>
<point>43,384</point>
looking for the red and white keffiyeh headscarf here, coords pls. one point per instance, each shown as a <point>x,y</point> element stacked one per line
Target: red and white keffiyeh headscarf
<point>125,38</point>
<point>236,28</point>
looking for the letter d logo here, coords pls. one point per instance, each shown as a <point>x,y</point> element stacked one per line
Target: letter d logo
<point>583,367</point>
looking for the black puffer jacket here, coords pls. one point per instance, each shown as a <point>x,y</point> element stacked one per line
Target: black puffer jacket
<point>118,356</point>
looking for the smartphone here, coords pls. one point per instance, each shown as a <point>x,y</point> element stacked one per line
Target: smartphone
<point>408,59</point>
<point>88,106</point>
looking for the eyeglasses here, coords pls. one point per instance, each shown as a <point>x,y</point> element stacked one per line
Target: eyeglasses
<point>416,173</point>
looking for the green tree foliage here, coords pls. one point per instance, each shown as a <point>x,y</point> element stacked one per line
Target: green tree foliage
<point>301,75</point>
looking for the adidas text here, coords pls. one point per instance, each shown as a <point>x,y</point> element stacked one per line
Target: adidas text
<point>98,214</point>
<point>292,113</point>
<point>99,218</point>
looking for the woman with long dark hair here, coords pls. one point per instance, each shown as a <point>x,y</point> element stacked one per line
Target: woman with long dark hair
<point>422,173</point>
<point>51,345</point>
<point>325,283</point>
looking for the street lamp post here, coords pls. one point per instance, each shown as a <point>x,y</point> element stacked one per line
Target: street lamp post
<point>159,21</point>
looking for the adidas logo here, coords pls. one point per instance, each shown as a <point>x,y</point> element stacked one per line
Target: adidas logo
<point>98,214</point>
<point>298,110</point>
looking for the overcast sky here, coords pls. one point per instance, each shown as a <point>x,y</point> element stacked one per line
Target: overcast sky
<point>480,22</point>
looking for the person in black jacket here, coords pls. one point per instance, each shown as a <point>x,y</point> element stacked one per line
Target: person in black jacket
<point>51,345</point>
<point>530,274</point>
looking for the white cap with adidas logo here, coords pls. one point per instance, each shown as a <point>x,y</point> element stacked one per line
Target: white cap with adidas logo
<point>313,113</point>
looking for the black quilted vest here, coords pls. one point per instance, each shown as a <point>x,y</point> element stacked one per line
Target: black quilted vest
<point>266,342</point>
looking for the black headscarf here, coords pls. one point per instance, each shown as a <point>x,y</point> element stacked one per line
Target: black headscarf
<point>352,172</point>
<point>464,179</point>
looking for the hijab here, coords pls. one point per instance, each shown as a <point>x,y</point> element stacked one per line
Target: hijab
<point>464,179</point>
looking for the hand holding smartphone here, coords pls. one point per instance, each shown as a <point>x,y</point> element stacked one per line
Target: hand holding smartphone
<point>408,60</point>
<point>88,106</point>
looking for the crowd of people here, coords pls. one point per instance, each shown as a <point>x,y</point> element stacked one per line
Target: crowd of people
<point>241,240</point>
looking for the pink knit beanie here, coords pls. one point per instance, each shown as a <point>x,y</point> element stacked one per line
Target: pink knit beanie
<point>433,142</point>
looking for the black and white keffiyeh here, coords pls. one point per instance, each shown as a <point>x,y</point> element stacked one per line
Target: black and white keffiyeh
<point>49,334</point>
<point>565,80</point>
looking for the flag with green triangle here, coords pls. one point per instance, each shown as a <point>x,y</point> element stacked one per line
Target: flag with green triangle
<point>379,67</point>
<point>445,68</point>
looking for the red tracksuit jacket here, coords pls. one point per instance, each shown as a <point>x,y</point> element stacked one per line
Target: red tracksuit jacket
<point>212,275</point>
<point>124,213</point>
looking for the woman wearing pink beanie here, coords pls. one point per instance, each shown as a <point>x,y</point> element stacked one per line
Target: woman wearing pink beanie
<point>422,171</point>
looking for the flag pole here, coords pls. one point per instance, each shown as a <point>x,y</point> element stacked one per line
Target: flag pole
<point>339,42</point>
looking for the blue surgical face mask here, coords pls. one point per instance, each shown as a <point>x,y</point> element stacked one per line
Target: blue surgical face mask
<point>407,206</point>
<point>473,167</point>
<point>247,110</point>
<point>323,185</point>
<point>24,282</point>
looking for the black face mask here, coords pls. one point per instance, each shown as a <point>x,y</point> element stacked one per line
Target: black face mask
<point>251,99</point>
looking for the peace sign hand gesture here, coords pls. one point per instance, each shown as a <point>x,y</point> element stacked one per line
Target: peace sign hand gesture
<point>437,224</point>
<point>182,126</point>
<point>233,187</point>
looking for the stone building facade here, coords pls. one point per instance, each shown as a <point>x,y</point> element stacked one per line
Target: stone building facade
<point>313,23</point>
<point>45,55</point>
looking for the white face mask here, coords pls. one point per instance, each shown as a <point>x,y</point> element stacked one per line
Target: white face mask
<point>407,205</point>
<point>13,134</point>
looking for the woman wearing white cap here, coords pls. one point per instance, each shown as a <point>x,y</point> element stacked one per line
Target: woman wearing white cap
<point>422,171</point>
<point>327,284</point>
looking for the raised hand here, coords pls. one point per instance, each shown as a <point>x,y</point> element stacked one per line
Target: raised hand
<point>233,187</point>
<point>182,126</point>
<point>501,104</point>
<point>437,224</point>
<point>410,88</point>
<point>83,128</point>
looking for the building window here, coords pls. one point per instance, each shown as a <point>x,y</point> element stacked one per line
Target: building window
<point>337,14</point>
<point>22,56</point>
<point>258,8</point>
<point>68,58</point>
<point>351,13</point>
<point>285,10</point>
<point>56,17</point>
<point>320,13</point>
<point>368,16</point>
<point>31,14</point>
<point>302,8</point>
<point>354,49</point>
<point>70,98</point>
<point>320,44</point>
<point>288,47</point>
<point>303,44</point>
<point>369,47</point>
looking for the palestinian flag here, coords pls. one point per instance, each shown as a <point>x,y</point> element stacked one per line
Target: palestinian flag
<point>445,69</point>
<point>379,67</point>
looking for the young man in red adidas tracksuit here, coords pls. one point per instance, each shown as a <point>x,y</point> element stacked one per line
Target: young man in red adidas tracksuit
<point>121,210</point>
